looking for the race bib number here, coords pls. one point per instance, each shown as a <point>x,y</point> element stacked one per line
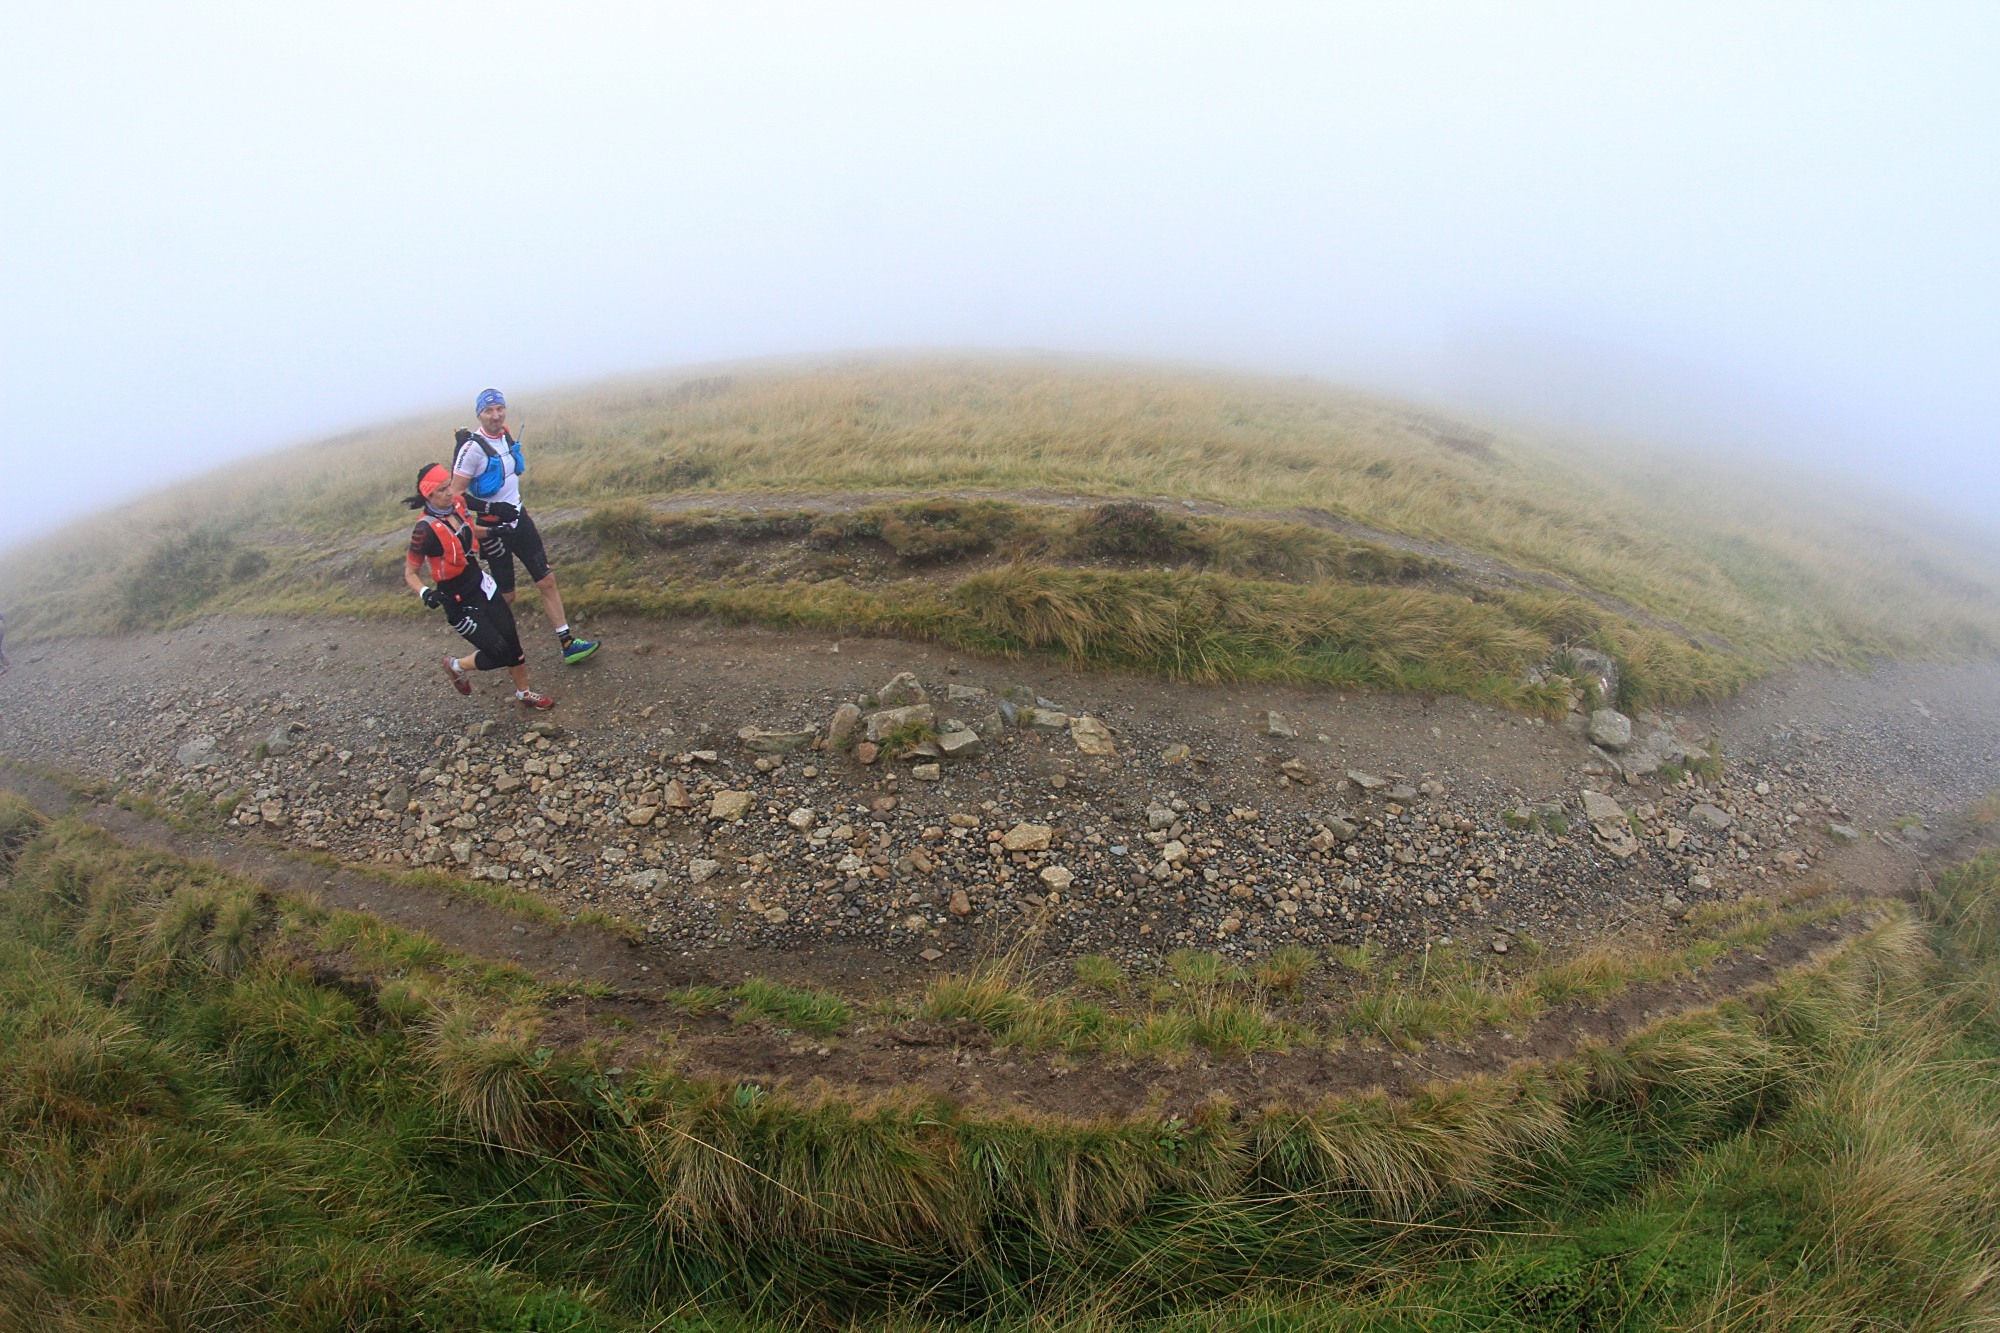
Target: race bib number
<point>487,585</point>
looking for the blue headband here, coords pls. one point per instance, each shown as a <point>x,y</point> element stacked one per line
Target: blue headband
<point>488,398</point>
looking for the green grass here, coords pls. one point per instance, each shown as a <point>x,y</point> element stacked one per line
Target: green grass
<point>787,1007</point>
<point>1196,625</point>
<point>935,531</point>
<point>1203,1001</point>
<point>1763,570</point>
<point>206,1130</point>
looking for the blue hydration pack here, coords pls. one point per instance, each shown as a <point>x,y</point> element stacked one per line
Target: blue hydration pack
<point>490,479</point>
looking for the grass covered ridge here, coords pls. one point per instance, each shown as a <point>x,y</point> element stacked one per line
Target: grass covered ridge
<point>203,1129</point>
<point>1200,600</point>
<point>1779,569</point>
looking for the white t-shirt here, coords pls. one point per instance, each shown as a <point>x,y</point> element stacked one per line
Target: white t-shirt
<point>471,461</point>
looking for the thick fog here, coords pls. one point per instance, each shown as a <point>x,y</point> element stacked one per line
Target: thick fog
<point>225,227</point>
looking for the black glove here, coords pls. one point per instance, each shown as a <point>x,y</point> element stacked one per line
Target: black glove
<point>502,515</point>
<point>433,598</point>
<point>461,436</point>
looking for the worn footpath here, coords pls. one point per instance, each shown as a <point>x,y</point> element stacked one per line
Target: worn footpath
<point>733,788</point>
<point>696,786</point>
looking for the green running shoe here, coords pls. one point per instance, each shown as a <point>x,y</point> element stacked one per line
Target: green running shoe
<point>577,649</point>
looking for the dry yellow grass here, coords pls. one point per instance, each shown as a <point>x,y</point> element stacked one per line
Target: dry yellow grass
<point>1784,569</point>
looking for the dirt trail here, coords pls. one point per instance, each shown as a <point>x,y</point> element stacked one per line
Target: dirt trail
<point>955,1060</point>
<point>369,715</point>
<point>1888,754</point>
<point>562,956</point>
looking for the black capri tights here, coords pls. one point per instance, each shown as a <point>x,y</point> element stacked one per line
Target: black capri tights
<point>488,625</point>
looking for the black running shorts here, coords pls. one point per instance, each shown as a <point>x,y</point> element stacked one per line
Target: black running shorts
<point>487,623</point>
<point>524,540</point>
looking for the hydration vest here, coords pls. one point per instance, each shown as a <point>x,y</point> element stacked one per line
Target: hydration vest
<point>494,475</point>
<point>455,560</point>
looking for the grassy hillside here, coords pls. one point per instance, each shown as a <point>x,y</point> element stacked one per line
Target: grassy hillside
<point>1760,569</point>
<point>227,1110</point>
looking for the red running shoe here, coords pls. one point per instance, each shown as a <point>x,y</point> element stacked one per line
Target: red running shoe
<point>456,677</point>
<point>529,699</point>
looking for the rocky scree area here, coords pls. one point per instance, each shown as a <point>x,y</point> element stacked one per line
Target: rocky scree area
<point>947,810</point>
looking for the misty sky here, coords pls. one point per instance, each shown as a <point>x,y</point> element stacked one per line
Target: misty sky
<point>225,227</point>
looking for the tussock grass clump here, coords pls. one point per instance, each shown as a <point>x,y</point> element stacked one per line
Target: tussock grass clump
<point>991,997</point>
<point>699,1001</point>
<point>1967,899</point>
<point>789,1007</point>
<point>1260,548</point>
<point>490,1077</point>
<point>1137,530</point>
<point>927,532</point>
<point>1285,969</point>
<point>1209,627</point>
<point>1100,973</point>
<point>81,1070</point>
<point>625,527</point>
<point>629,528</point>
<point>1655,665</point>
<point>1214,1006</point>
<point>19,821</point>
